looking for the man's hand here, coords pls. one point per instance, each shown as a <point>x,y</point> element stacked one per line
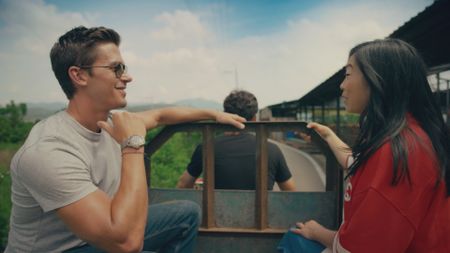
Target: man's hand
<point>124,125</point>
<point>231,119</point>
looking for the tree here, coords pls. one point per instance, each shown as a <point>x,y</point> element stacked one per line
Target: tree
<point>13,129</point>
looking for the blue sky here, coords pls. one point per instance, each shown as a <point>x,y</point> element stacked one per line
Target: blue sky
<point>183,49</point>
<point>241,18</point>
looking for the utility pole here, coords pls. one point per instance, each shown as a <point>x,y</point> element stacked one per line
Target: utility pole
<point>236,75</point>
<point>236,78</point>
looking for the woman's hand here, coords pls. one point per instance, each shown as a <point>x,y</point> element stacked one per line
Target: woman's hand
<point>340,149</point>
<point>314,231</point>
<point>324,131</point>
<point>309,229</point>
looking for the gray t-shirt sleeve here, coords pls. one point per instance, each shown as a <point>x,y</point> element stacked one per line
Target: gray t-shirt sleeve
<point>54,173</point>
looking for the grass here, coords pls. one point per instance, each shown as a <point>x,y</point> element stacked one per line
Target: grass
<point>171,160</point>
<point>7,151</point>
<point>5,205</point>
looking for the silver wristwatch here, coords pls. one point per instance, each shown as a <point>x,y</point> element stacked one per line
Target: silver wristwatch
<point>134,141</point>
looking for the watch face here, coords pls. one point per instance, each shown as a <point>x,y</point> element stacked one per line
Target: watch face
<point>137,141</point>
<point>134,141</point>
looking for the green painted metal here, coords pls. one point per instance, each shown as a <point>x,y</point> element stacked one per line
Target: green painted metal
<point>235,209</point>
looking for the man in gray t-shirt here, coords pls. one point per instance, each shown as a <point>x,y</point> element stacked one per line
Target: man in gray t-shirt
<point>78,182</point>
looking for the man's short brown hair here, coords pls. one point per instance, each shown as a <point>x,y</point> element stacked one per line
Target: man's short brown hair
<point>242,103</point>
<point>77,48</point>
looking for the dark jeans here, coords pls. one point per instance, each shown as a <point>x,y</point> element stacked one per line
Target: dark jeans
<point>171,227</point>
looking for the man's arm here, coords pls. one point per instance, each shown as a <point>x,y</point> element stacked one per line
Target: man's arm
<point>175,115</point>
<point>283,175</point>
<point>287,185</point>
<point>186,181</point>
<point>193,170</point>
<point>115,224</point>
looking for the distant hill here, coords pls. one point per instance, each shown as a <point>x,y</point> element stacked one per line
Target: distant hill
<point>195,103</point>
<point>143,107</point>
<point>200,103</point>
<point>38,111</point>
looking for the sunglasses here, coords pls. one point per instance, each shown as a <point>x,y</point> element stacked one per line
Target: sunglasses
<point>119,68</point>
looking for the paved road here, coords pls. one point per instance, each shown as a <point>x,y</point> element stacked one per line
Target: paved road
<point>306,172</point>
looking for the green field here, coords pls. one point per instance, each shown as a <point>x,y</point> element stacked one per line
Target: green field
<point>6,153</point>
<point>169,162</point>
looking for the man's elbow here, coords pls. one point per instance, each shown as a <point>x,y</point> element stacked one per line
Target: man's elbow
<point>288,189</point>
<point>181,184</point>
<point>186,181</point>
<point>287,185</point>
<point>132,245</point>
<point>123,244</point>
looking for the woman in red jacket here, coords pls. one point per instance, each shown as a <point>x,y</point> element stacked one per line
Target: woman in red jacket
<point>398,172</point>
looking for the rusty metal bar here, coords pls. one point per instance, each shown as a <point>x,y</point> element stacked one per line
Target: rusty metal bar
<point>238,231</point>
<point>159,140</point>
<point>261,207</point>
<point>334,175</point>
<point>334,183</point>
<point>151,148</point>
<point>331,172</point>
<point>208,170</point>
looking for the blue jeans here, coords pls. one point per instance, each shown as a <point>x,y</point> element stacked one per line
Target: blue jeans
<point>171,227</point>
<point>294,243</point>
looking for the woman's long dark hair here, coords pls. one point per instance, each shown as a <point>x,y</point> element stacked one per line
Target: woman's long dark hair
<point>397,79</point>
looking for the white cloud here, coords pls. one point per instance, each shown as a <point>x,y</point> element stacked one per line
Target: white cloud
<point>29,31</point>
<point>181,26</point>
<point>34,25</point>
<point>275,67</point>
<point>181,54</point>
